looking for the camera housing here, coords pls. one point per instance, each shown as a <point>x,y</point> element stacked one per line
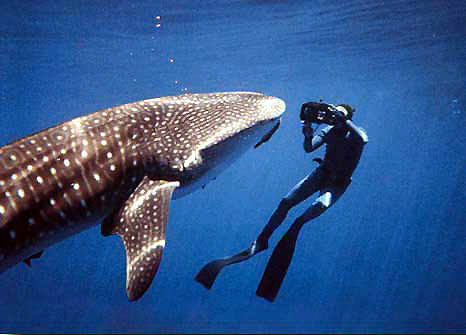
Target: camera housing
<point>319,113</point>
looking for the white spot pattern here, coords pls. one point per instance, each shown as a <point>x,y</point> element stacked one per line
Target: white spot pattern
<point>144,237</point>
<point>95,161</point>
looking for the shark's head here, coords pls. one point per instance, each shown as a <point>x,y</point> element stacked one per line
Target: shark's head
<point>201,134</point>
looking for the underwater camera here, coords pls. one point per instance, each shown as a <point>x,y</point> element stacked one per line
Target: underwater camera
<point>319,113</point>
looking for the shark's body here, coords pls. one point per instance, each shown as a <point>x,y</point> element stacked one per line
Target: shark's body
<point>122,165</point>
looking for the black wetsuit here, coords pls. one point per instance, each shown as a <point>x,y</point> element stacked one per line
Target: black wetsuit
<point>343,152</point>
<point>344,145</point>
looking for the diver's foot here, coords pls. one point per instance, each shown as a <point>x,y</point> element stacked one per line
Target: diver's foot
<point>258,246</point>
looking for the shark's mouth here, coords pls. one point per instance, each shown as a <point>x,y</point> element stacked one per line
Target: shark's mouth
<point>268,135</point>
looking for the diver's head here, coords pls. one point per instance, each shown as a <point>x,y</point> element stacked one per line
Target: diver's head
<point>346,109</point>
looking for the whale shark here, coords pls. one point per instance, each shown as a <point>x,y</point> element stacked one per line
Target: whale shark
<point>121,167</point>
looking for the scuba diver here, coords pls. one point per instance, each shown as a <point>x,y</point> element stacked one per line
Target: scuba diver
<point>344,145</point>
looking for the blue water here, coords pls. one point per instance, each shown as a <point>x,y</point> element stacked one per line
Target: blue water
<point>389,256</point>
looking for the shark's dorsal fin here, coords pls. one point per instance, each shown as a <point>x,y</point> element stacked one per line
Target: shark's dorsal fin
<point>141,224</point>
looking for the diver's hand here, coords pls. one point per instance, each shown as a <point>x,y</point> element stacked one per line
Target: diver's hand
<point>308,132</point>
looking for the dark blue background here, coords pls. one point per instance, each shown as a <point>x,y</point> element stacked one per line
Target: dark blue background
<point>390,255</point>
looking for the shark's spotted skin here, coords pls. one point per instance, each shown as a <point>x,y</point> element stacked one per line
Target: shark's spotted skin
<point>54,181</point>
<point>121,164</point>
<point>141,223</point>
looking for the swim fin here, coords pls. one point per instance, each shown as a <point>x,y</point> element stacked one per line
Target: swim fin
<point>210,271</point>
<point>278,264</point>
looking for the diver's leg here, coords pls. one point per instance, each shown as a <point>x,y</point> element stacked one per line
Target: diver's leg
<point>327,198</point>
<point>281,257</point>
<point>303,190</point>
<point>300,192</point>
<point>318,207</point>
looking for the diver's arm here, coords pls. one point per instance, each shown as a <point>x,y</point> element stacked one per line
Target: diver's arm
<point>311,142</point>
<point>358,131</point>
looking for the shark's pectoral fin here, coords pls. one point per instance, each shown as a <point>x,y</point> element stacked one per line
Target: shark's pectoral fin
<point>27,261</point>
<point>141,223</point>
